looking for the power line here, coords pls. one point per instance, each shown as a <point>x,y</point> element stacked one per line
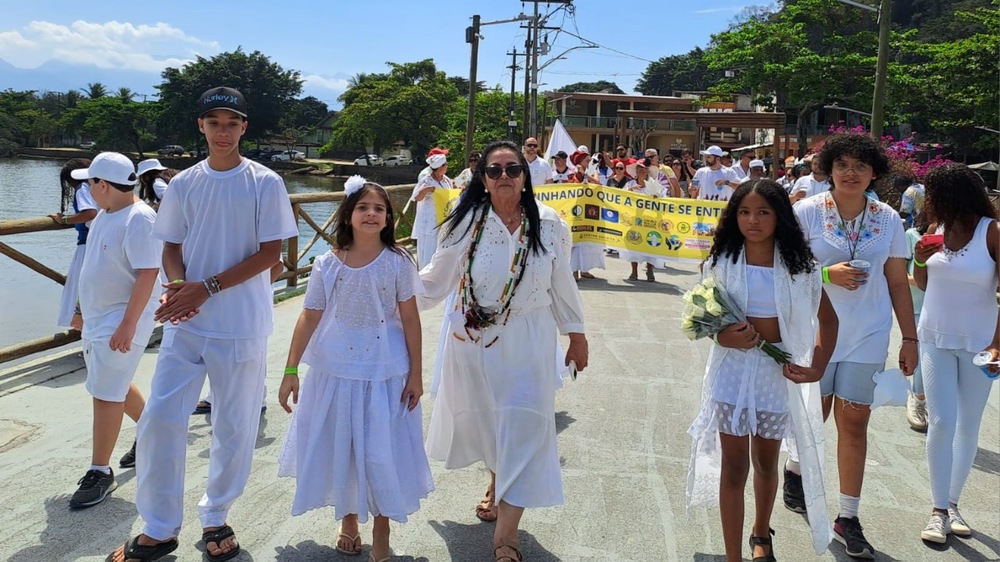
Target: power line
<point>585,40</point>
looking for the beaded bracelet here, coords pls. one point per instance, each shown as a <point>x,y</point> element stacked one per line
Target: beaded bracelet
<point>826,275</point>
<point>291,371</point>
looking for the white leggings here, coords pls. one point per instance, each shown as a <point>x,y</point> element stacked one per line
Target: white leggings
<point>956,392</point>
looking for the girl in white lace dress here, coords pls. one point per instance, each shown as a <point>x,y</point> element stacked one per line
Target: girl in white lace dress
<point>356,440</point>
<point>749,401</point>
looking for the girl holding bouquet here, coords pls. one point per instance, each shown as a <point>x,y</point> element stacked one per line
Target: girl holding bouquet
<point>751,400</point>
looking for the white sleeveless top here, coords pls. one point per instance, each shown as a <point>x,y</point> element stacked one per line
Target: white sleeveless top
<point>760,292</point>
<point>960,305</point>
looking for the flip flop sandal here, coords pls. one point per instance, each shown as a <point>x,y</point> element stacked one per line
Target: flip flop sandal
<point>354,540</point>
<point>202,407</point>
<point>486,510</point>
<point>217,536</point>
<point>132,550</point>
<point>506,558</point>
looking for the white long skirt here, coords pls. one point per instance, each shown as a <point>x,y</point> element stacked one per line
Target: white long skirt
<point>636,257</point>
<point>71,290</point>
<point>353,445</point>
<point>426,246</point>
<point>497,405</point>
<point>584,257</point>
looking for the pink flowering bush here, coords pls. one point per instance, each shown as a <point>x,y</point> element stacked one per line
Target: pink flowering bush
<point>901,153</point>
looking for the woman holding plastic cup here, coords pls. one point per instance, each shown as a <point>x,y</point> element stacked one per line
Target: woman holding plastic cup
<point>863,251</point>
<point>956,264</point>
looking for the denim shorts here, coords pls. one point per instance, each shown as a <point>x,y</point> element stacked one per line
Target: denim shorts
<point>850,381</point>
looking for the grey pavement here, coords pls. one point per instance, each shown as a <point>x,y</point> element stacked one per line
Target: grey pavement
<point>622,436</point>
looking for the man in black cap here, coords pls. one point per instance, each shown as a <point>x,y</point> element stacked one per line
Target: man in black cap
<point>562,173</point>
<point>222,222</point>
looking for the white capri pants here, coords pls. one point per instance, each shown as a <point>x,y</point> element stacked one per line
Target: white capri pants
<point>236,370</point>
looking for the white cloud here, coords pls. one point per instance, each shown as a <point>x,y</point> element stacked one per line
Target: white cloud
<point>113,44</point>
<point>733,9</point>
<point>318,81</point>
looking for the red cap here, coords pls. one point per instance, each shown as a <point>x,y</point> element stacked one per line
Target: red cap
<point>437,150</point>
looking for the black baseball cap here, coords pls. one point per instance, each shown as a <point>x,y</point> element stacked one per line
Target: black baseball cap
<point>561,154</point>
<point>221,97</point>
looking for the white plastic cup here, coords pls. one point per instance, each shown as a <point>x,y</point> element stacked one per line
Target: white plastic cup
<point>983,360</point>
<point>863,265</point>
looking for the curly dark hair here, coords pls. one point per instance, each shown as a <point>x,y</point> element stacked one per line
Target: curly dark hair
<point>956,195</point>
<point>855,145</point>
<point>790,241</point>
<point>68,184</point>
<point>343,233</point>
<point>474,199</point>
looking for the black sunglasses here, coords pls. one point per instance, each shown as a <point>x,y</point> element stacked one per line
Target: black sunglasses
<point>512,171</point>
<point>531,145</point>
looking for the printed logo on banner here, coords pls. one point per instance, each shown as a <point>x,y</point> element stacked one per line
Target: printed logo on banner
<point>582,228</point>
<point>654,239</point>
<point>683,227</point>
<point>704,229</point>
<point>609,215</point>
<point>611,231</point>
<point>666,226</point>
<point>638,221</point>
<point>577,211</point>
<point>592,212</point>
<point>634,237</point>
<point>674,243</point>
<point>449,205</point>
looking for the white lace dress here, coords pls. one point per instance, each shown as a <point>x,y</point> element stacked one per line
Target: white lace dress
<point>351,443</point>
<point>496,404</point>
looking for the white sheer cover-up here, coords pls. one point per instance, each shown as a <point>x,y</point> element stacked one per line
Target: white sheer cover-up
<point>351,443</point>
<point>797,298</point>
<point>497,404</point>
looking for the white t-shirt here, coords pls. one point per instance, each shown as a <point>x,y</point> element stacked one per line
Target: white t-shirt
<point>866,313</point>
<point>740,174</point>
<point>221,219</point>
<point>541,172</point>
<point>707,177</point>
<point>564,176</point>
<point>85,201</point>
<point>119,244</point>
<point>159,187</point>
<point>810,186</point>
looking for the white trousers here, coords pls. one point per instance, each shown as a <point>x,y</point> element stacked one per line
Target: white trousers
<point>956,392</point>
<point>236,370</point>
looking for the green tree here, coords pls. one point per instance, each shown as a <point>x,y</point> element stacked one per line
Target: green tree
<point>462,85</point>
<point>267,87</point>
<point>114,123</point>
<point>304,113</point>
<point>16,109</point>
<point>125,94</point>
<point>95,90</point>
<point>492,111</point>
<point>408,104</point>
<point>677,72</point>
<point>601,86</point>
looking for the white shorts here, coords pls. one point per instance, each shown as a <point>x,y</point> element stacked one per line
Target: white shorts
<point>109,373</point>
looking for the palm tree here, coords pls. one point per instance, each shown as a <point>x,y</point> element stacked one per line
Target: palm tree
<point>125,94</point>
<point>95,90</point>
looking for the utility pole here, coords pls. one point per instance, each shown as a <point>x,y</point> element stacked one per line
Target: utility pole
<point>472,37</point>
<point>533,55</point>
<point>878,98</point>
<point>529,47</point>
<point>511,122</point>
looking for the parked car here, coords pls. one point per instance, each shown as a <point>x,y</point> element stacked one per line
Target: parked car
<point>171,150</point>
<point>371,160</point>
<point>288,155</point>
<point>200,151</point>
<point>398,161</point>
<point>88,145</point>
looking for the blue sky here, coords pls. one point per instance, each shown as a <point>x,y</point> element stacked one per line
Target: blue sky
<point>331,41</point>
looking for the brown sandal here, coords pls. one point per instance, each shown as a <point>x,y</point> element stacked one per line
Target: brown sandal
<point>506,558</point>
<point>487,510</point>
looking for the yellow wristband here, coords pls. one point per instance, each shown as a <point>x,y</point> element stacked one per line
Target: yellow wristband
<point>177,281</point>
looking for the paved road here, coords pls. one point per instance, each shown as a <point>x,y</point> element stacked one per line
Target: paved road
<point>622,439</point>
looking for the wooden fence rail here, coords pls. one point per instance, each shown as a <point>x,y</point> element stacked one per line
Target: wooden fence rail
<point>292,261</point>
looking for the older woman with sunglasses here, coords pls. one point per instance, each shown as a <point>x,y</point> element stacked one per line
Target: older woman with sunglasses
<point>508,256</point>
<point>618,179</point>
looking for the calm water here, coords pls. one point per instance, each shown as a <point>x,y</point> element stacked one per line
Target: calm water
<point>29,302</point>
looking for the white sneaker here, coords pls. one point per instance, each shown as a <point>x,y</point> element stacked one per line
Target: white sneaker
<point>916,413</point>
<point>958,525</point>
<point>937,528</point>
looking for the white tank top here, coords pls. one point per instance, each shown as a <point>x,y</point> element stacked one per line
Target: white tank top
<point>760,292</point>
<point>960,305</point>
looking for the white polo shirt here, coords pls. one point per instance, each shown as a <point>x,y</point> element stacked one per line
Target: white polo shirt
<point>221,219</point>
<point>541,172</point>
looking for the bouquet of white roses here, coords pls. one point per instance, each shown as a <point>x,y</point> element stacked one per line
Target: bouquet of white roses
<point>708,309</point>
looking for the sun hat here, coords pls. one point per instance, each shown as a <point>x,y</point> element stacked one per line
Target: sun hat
<point>757,164</point>
<point>108,166</point>
<point>149,165</point>
<point>437,150</point>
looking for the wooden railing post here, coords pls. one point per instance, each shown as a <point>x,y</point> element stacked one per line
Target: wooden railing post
<point>292,262</point>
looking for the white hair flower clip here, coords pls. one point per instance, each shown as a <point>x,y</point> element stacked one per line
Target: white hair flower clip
<point>353,185</point>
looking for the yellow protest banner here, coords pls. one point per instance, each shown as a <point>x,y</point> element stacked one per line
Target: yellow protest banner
<point>660,227</point>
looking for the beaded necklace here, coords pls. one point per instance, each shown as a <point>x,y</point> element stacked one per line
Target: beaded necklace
<point>478,318</point>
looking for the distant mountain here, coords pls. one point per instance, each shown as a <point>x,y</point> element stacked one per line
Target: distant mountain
<point>60,77</point>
